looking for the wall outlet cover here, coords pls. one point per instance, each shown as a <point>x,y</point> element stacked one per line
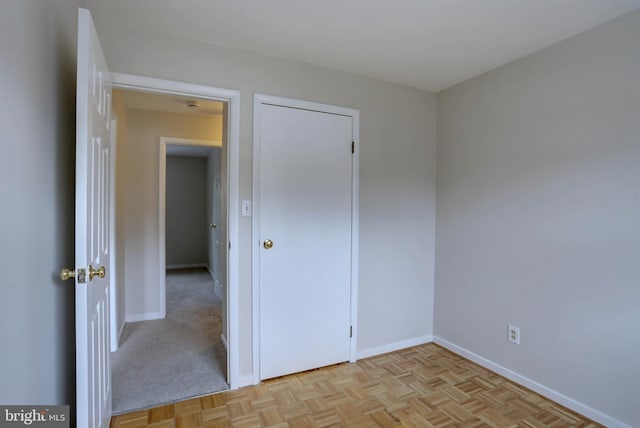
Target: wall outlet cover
<point>513,334</point>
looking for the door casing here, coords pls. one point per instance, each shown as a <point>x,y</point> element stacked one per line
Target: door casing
<point>259,100</point>
<point>232,97</point>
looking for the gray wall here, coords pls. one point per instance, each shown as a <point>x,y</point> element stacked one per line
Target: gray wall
<point>187,228</point>
<point>538,217</point>
<point>397,170</point>
<point>37,116</point>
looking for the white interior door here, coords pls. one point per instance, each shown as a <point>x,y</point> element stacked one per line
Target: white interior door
<point>93,371</point>
<point>216,211</point>
<point>305,211</point>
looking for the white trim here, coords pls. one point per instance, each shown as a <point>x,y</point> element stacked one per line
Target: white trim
<point>214,144</point>
<point>255,245</point>
<point>305,105</point>
<point>189,266</point>
<point>162,220</point>
<point>543,390</point>
<point>258,100</point>
<point>233,254</point>
<point>244,380</point>
<point>395,346</point>
<point>113,268</point>
<point>170,87</point>
<point>355,232</point>
<point>148,316</point>
<point>232,97</point>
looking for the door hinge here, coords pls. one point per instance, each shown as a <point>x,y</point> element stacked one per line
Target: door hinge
<point>353,147</point>
<point>350,331</point>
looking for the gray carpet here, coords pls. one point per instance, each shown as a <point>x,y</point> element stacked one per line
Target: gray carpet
<point>181,356</point>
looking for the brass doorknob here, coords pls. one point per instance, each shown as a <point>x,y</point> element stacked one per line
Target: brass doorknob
<point>66,274</point>
<point>267,244</point>
<point>100,272</point>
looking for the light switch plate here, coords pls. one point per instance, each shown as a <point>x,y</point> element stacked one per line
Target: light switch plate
<point>246,208</point>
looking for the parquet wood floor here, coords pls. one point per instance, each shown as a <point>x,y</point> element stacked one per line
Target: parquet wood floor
<point>423,386</point>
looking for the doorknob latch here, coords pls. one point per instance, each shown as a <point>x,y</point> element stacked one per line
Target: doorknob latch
<point>213,226</point>
<point>100,272</point>
<point>81,274</point>
<point>267,244</point>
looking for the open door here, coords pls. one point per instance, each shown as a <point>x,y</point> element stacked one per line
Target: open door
<point>218,242</point>
<point>93,371</point>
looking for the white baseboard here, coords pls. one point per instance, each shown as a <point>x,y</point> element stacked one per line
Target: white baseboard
<point>533,385</point>
<point>144,317</point>
<point>224,342</point>
<point>187,266</point>
<point>210,270</point>
<point>396,346</point>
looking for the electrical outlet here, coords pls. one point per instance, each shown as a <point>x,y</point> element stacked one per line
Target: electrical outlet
<point>513,334</point>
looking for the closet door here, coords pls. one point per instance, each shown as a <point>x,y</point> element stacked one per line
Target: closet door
<point>305,224</point>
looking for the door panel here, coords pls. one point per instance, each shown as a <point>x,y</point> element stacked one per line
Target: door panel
<point>305,209</point>
<point>93,372</point>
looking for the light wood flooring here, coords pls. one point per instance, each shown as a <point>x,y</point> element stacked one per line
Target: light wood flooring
<point>423,386</point>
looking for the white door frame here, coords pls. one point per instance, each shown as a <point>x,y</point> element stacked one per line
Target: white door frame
<point>258,100</point>
<point>113,259</point>
<point>232,97</point>
<point>162,207</point>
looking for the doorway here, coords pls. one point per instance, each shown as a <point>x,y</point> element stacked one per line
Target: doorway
<point>172,321</point>
<point>231,134</point>
<point>305,226</point>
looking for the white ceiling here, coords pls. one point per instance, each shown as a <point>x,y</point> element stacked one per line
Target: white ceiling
<point>427,44</point>
<point>169,103</point>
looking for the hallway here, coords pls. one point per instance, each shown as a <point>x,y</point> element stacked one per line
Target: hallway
<point>178,357</point>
